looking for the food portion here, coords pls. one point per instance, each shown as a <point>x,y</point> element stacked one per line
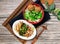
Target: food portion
<point>24,29</point>
<point>49,1</point>
<point>49,5</point>
<point>33,13</point>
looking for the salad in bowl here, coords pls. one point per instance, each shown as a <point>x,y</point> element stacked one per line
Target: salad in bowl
<point>33,13</point>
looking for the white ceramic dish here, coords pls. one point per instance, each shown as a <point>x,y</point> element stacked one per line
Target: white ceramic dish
<point>22,37</point>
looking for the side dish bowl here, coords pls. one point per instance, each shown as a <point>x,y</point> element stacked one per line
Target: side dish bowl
<point>33,13</point>
<point>24,30</point>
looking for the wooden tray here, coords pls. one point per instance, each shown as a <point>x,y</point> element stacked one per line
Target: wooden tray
<point>17,11</point>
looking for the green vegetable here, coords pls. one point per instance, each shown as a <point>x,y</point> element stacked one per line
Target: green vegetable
<point>40,15</point>
<point>23,29</point>
<point>58,15</point>
<point>56,11</point>
<point>49,8</point>
<point>33,12</point>
<point>52,7</point>
<point>32,15</point>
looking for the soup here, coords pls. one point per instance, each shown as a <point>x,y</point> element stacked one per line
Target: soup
<point>33,13</point>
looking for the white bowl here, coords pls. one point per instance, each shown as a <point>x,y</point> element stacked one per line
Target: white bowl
<point>22,37</point>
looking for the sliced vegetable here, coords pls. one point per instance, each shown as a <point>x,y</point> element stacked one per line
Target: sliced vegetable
<point>23,29</point>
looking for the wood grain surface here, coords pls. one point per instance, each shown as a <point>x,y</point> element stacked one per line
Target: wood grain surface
<point>50,36</point>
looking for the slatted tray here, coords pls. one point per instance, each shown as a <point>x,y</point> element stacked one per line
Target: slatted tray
<point>16,15</point>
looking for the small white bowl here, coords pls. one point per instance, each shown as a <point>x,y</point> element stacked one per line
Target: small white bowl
<point>22,37</point>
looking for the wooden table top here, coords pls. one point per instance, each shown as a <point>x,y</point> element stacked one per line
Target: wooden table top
<point>50,36</point>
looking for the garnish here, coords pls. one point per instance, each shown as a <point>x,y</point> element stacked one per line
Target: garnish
<point>51,9</point>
